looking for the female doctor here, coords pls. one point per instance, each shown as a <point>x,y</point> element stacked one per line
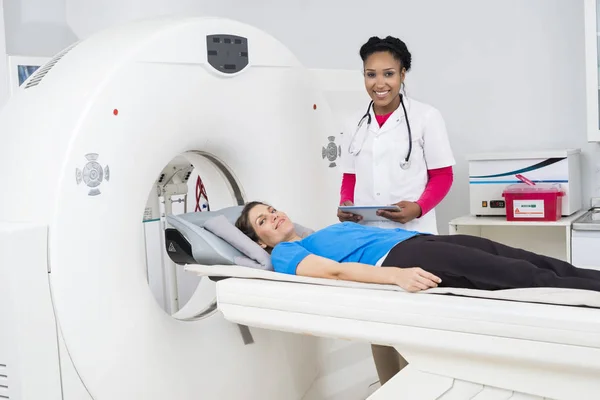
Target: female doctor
<point>397,152</point>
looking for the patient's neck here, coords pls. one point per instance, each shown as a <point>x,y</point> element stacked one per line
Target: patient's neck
<point>293,237</point>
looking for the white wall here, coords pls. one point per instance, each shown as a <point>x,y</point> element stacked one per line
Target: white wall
<point>33,28</point>
<point>507,75</point>
<point>36,27</point>
<point>4,92</point>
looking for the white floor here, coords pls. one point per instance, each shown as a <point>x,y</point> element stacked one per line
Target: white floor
<point>347,372</point>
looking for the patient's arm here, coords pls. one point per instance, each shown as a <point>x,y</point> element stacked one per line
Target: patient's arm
<point>410,279</point>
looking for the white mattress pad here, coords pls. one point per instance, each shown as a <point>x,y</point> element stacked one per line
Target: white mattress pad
<point>540,314</point>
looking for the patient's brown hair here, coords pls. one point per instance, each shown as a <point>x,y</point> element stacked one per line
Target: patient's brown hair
<point>243,221</point>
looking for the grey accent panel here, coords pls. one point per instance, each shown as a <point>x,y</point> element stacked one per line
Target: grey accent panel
<point>227,53</point>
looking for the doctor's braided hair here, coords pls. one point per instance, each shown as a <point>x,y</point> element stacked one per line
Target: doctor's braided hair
<point>390,44</point>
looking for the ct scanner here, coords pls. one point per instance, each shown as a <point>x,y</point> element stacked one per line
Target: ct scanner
<point>82,143</point>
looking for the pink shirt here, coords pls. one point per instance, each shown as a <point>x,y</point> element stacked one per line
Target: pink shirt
<point>382,118</point>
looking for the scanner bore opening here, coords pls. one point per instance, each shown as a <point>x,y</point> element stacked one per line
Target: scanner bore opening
<point>181,294</point>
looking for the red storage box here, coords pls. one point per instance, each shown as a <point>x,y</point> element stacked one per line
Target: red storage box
<point>541,202</point>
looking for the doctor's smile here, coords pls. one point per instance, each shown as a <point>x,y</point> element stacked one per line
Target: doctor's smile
<point>382,95</point>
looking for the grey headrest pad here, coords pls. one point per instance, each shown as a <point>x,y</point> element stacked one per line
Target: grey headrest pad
<point>224,229</point>
<point>218,243</point>
<point>199,218</point>
<point>207,248</point>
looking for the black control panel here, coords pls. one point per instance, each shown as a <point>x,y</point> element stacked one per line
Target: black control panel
<point>227,53</point>
<point>497,204</point>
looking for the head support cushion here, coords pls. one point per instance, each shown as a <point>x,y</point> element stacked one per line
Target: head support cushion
<point>215,239</point>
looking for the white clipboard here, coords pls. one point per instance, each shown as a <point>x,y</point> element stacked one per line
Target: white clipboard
<point>369,213</point>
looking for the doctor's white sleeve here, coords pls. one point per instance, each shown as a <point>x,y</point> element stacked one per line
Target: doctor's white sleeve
<point>346,159</point>
<point>436,146</point>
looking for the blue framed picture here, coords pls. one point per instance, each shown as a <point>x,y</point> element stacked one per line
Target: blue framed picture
<point>25,71</point>
<point>20,68</point>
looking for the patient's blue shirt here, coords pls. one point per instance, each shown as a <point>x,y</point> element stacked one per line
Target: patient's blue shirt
<point>343,242</point>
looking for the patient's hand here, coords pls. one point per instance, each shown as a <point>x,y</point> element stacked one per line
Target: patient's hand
<point>414,279</point>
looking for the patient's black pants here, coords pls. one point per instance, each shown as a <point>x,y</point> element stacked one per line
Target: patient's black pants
<point>473,262</point>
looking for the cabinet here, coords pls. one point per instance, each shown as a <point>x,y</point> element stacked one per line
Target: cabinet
<point>584,249</point>
<point>592,47</point>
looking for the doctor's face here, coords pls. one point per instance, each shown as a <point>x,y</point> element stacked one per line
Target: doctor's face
<point>271,226</point>
<point>383,78</point>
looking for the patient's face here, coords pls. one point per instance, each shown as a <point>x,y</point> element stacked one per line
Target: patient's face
<point>271,226</point>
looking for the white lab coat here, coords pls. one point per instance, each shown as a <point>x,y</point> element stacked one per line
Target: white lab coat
<point>379,177</point>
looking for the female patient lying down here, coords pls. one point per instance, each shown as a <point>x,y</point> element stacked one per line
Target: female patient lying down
<point>349,251</point>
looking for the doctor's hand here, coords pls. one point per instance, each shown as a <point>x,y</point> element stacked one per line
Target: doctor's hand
<point>409,210</point>
<point>414,279</point>
<point>346,216</point>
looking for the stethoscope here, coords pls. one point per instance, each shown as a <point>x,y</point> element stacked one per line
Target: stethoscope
<point>404,164</point>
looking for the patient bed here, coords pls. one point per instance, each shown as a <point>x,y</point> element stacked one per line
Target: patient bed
<point>461,344</point>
